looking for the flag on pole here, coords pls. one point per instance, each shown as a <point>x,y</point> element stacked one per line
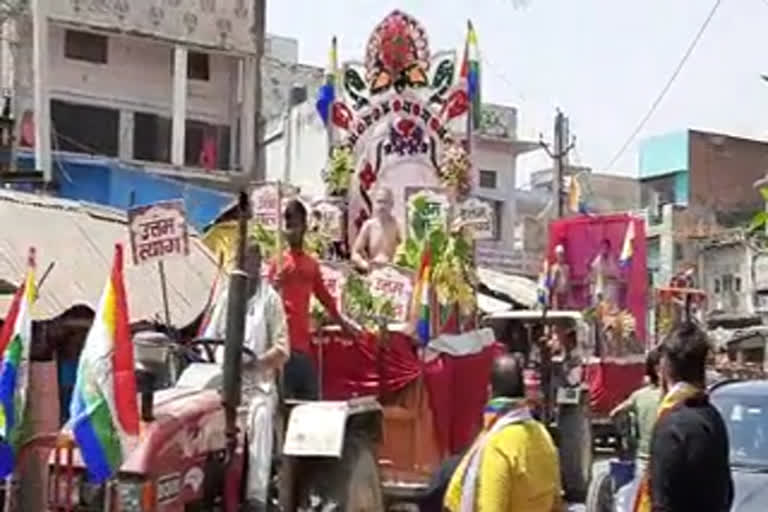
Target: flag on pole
<point>15,341</point>
<point>544,284</point>
<point>576,202</point>
<point>105,417</point>
<point>628,247</point>
<point>421,309</point>
<point>470,72</point>
<point>327,93</point>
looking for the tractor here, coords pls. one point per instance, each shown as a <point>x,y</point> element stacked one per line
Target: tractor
<point>192,451</point>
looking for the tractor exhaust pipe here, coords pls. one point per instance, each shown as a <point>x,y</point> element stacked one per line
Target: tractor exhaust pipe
<point>238,285</point>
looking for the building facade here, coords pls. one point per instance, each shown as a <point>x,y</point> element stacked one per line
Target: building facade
<point>120,95</point>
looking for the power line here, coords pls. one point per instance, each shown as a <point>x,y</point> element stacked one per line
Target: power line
<point>668,85</point>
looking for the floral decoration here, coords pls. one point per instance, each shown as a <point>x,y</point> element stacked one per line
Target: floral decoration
<point>454,168</point>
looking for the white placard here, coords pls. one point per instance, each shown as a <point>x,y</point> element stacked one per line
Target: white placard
<point>394,284</point>
<point>158,231</point>
<point>316,429</point>
<point>479,216</point>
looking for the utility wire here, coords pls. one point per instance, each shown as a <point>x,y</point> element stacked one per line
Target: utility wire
<point>668,85</point>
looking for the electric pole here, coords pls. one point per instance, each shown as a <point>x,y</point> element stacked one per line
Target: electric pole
<point>559,154</point>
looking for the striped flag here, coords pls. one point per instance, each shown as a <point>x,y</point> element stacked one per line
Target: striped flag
<point>105,417</point>
<point>628,247</point>
<point>15,341</point>
<point>422,310</point>
<point>327,93</point>
<point>470,72</point>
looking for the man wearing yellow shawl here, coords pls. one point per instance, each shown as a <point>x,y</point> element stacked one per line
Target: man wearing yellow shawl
<point>688,469</point>
<point>513,465</point>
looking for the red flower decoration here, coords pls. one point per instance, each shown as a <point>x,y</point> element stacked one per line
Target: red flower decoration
<point>367,177</point>
<point>397,49</point>
<point>341,115</point>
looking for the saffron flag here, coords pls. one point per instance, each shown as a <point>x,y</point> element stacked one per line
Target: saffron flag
<point>470,72</point>
<point>327,93</point>
<point>421,296</point>
<point>15,341</point>
<point>104,412</point>
<point>628,247</point>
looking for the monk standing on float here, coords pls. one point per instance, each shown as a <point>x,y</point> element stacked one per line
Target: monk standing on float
<point>379,236</point>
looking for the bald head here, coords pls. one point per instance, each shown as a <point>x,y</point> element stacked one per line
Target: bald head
<point>507,376</point>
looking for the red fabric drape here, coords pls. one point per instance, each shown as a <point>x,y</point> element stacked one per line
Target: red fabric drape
<point>581,237</point>
<point>610,383</point>
<point>457,386</point>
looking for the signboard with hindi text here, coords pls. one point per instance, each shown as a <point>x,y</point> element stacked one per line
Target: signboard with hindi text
<point>395,284</point>
<point>158,231</point>
<point>266,199</point>
<point>426,206</point>
<point>479,215</point>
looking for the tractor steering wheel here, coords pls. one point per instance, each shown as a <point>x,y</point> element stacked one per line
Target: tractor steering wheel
<point>209,345</point>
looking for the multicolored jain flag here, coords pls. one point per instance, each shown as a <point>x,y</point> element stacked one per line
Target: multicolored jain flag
<point>628,247</point>
<point>327,93</point>
<point>15,342</point>
<point>422,308</point>
<point>470,72</point>
<point>104,410</point>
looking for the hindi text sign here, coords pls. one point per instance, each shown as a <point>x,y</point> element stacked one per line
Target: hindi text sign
<point>265,199</point>
<point>158,231</point>
<point>430,204</point>
<point>479,216</point>
<point>395,284</point>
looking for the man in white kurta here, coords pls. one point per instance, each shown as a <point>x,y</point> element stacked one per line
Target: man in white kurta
<point>266,335</point>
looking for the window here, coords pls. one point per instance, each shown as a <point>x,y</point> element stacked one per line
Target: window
<point>727,283</point>
<point>151,138</point>
<point>198,65</point>
<point>488,179</point>
<point>85,46</point>
<point>206,145</point>
<point>737,284</point>
<point>84,128</point>
<point>717,285</point>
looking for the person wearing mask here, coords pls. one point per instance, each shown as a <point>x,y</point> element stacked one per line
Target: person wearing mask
<point>267,337</point>
<point>688,468</point>
<point>643,404</point>
<point>297,278</point>
<point>513,464</point>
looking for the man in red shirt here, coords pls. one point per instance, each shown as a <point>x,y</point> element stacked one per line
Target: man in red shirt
<point>297,279</point>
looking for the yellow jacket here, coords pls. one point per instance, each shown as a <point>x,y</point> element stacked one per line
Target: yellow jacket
<point>519,471</point>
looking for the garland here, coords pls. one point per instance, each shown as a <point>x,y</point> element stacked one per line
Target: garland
<point>454,169</point>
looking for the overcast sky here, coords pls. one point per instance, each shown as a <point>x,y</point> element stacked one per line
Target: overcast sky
<point>602,61</point>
